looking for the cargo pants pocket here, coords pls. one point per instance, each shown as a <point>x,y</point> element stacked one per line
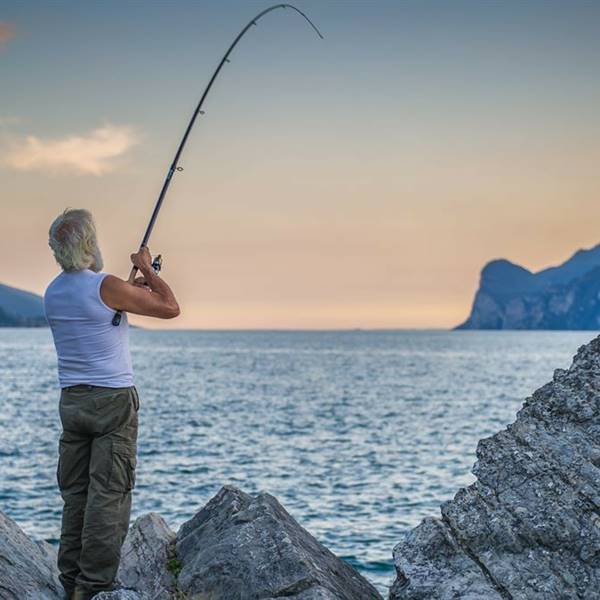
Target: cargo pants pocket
<point>72,465</point>
<point>123,464</point>
<point>136,398</point>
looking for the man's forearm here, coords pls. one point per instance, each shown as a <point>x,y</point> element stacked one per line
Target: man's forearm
<point>159,287</point>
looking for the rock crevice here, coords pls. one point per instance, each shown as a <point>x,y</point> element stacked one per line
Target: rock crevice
<point>463,546</point>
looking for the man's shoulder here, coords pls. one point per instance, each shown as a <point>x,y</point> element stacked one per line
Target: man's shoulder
<point>53,283</point>
<point>111,289</point>
<point>111,281</point>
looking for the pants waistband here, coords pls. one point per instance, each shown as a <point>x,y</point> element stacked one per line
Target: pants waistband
<point>81,387</point>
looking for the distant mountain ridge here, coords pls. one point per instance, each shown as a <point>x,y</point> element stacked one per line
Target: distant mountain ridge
<point>19,308</point>
<point>563,297</point>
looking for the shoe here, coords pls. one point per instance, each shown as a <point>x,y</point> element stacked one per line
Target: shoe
<point>82,594</point>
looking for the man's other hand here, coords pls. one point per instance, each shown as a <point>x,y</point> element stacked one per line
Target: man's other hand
<point>142,259</point>
<point>148,295</point>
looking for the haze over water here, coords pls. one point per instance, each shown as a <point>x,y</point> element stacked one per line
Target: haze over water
<point>360,434</point>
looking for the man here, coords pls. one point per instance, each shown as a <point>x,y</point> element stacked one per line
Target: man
<point>98,402</point>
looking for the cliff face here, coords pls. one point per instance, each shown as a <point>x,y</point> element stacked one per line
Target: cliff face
<point>529,527</point>
<point>563,297</point>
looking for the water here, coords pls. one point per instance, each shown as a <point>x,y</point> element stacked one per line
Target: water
<point>359,434</point>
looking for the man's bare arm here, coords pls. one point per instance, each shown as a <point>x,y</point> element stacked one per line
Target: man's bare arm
<point>155,299</point>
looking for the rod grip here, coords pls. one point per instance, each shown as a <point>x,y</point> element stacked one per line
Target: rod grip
<point>116,320</point>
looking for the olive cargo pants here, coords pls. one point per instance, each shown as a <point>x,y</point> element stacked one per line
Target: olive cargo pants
<point>96,473</point>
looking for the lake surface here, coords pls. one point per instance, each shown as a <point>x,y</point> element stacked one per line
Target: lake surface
<point>360,434</point>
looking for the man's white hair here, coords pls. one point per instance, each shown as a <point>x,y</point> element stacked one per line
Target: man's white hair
<point>72,237</point>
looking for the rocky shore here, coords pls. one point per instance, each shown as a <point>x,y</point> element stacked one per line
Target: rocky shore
<point>237,547</point>
<point>527,529</point>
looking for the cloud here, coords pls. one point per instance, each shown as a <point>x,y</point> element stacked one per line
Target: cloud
<point>7,32</point>
<point>9,121</point>
<point>92,154</point>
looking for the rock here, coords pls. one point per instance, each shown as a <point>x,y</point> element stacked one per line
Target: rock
<point>50,552</point>
<point>240,547</point>
<point>122,595</point>
<point>529,527</point>
<point>144,558</point>
<point>431,556</point>
<point>27,568</point>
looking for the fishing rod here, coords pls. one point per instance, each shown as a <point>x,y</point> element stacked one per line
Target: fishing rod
<point>173,168</point>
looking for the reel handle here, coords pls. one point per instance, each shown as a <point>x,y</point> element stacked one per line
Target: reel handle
<point>116,320</point>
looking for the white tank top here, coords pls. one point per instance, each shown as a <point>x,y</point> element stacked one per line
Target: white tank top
<point>90,349</point>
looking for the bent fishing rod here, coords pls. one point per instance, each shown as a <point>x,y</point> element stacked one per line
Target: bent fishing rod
<point>174,165</point>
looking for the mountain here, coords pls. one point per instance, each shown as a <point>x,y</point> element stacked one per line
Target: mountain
<point>19,308</point>
<point>563,297</point>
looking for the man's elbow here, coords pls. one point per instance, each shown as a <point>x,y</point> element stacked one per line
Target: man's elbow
<point>170,312</point>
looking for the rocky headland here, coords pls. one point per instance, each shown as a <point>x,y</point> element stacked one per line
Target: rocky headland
<point>563,297</point>
<point>527,529</point>
<point>19,308</point>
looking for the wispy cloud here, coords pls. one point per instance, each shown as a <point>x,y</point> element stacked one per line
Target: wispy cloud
<point>7,32</point>
<point>95,153</point>
<point>9,121</point>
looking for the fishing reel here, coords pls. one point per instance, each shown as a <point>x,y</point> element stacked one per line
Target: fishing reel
<point>157,263</point>
<point>156,267</point>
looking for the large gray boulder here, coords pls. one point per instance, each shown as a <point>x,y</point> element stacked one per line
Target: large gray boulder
<point>27,568</point>
<point>529,527</point>
<point>240,547</point>
<point>145,558</point>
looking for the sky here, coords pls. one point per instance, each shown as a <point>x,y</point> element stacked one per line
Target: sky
<point>362,180</point>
